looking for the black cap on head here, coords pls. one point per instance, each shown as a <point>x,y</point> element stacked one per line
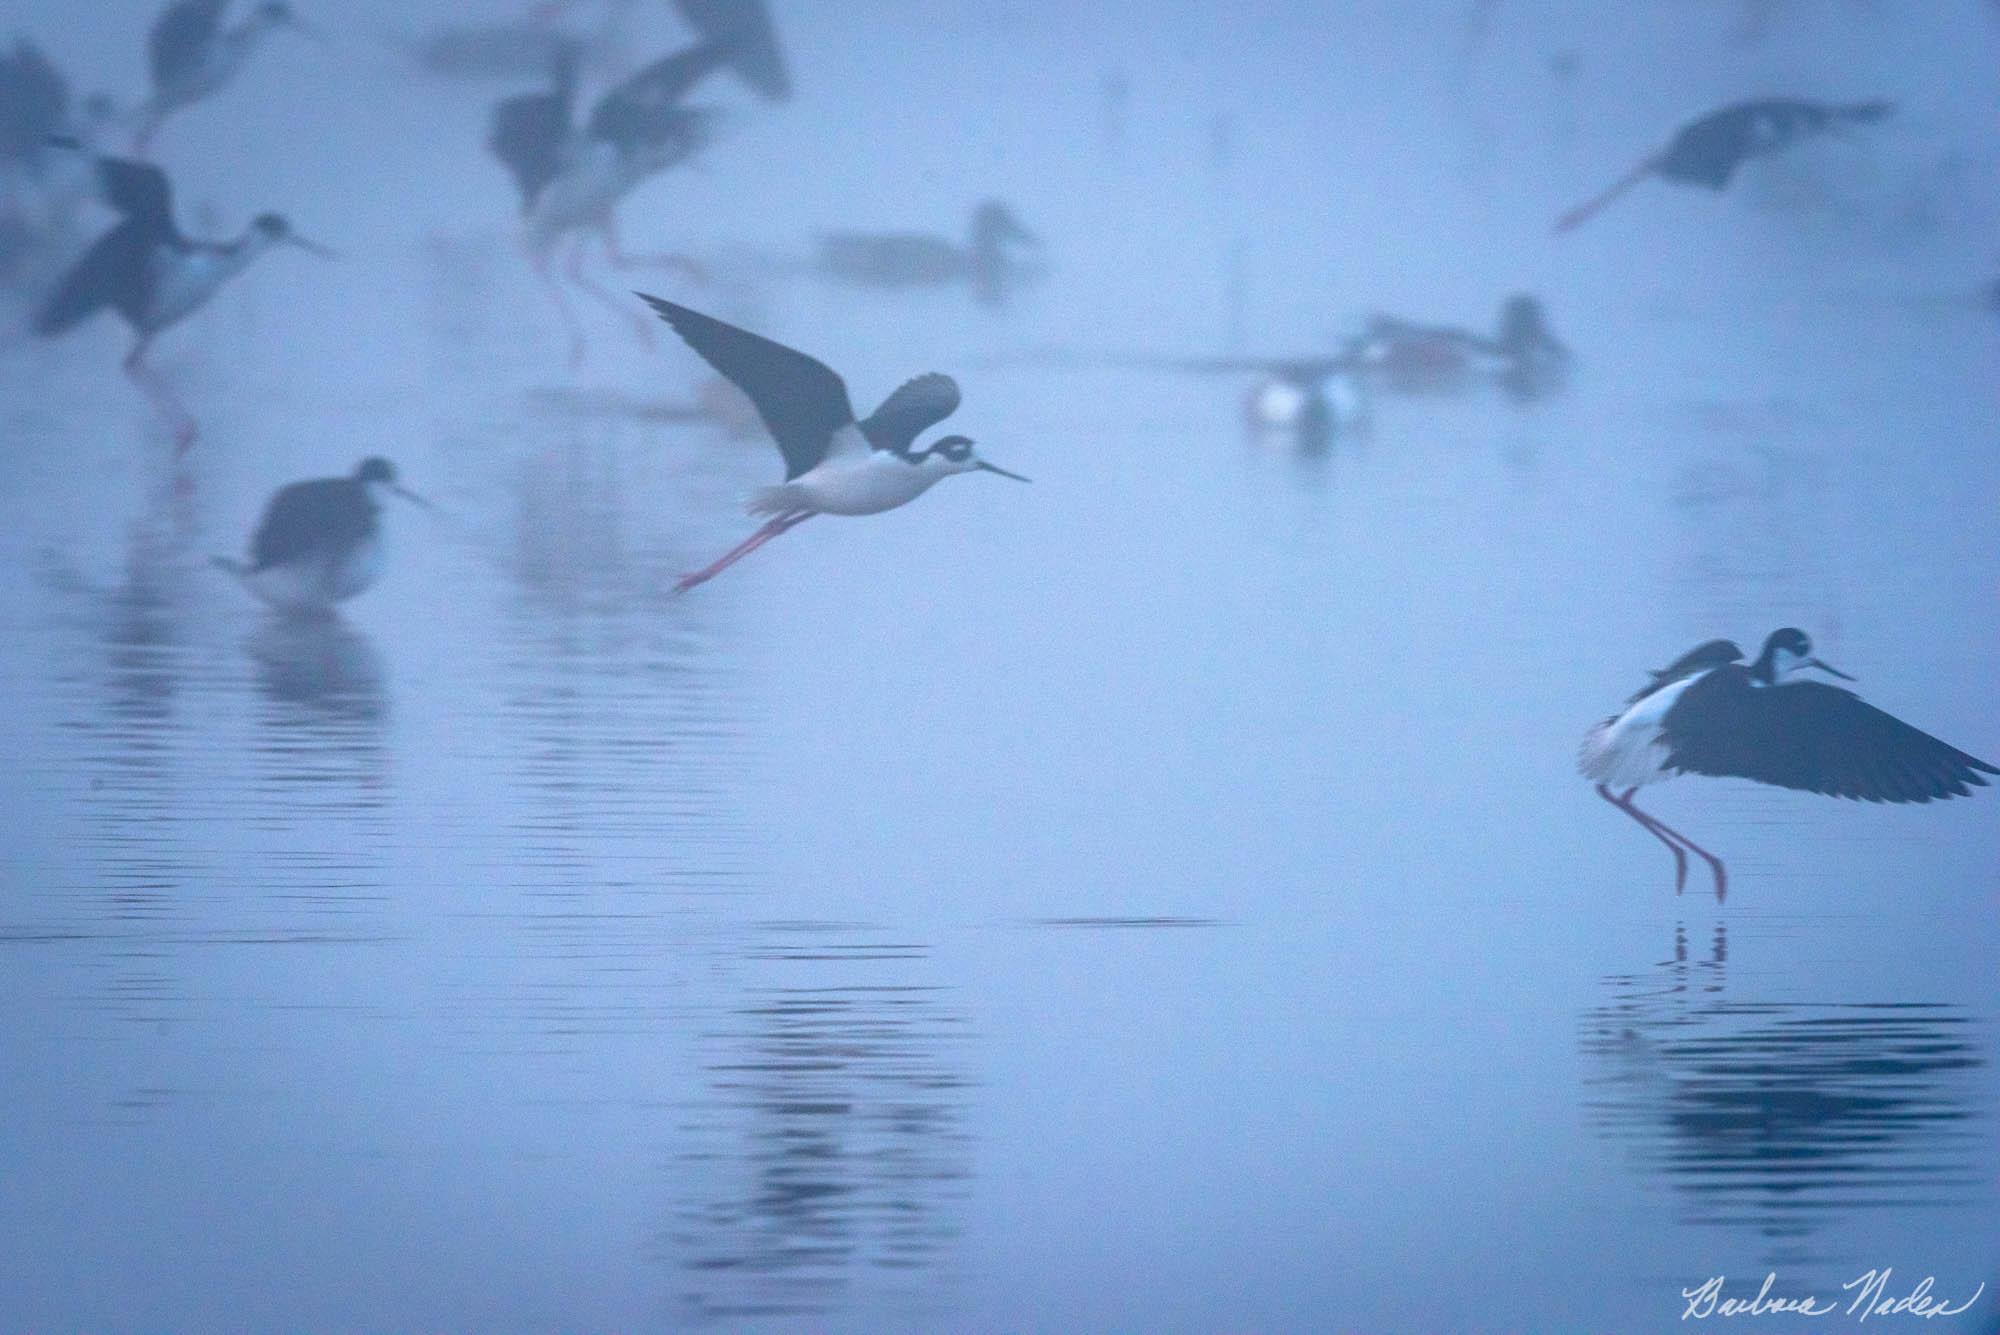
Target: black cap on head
<point>955,448</point>
<point>375,469</point>
<point>275,11</point>
<point>272,225</point>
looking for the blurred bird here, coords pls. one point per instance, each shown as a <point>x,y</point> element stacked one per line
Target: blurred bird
<point>42,188</point>
<point>572,177</point>
<point>1708,151</point>
<point>989,260</point>
<point>1310,398</point>
<point>1523,355</point>
<point>192,55</point>
<point>834,464</point>
<point>1707,713</point>
<point>320,542</point>
<point>152,275</point>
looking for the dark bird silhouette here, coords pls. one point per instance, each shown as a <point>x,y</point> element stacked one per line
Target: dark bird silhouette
<point>834,464</point>
<point>989,259</point>
<point>1523,355</point>
<point>152,275</point>
<point>320,541</point>
<point>193,55</point>
<point>1707,152</point>
<point>1709,713</point>
<point>572,176</point>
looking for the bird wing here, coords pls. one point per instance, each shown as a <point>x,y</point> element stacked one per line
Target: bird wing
<point>915,407</point>
<point>634,108</point>
<point>802,400</point>
<point>744,27</point>
<point>309,516</point>
<point>116,270</point>
<point>1710,654</point>
<point>1811,736</point>
<point>529,134</point>
<point>34,100</point>
<point>180,37</point>
<point>141,192</point>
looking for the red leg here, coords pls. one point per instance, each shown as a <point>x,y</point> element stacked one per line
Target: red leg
<point>1714,862</point>
<point>1624,804</point>
<point>541,258</point>
<point>163,398</point>
<point>1583,212</point>
<point>790,520</point>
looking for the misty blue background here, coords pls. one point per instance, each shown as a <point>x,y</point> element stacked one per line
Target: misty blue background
<point>1158,899</point>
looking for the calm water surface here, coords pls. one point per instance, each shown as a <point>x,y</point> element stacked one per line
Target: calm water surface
<point>1160,898</point>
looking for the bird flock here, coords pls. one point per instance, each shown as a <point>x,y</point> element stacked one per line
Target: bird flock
<point>1714,711</point>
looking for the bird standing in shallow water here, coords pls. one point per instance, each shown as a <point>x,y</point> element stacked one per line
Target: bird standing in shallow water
<point>192,55</point>
<point>1708,151</point>
<point>320,542</point>
<point>834,464</point>
<point>1708,713</point>
<point>152,275</point>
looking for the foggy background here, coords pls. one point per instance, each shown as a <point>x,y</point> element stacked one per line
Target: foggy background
<point>1158,898</point>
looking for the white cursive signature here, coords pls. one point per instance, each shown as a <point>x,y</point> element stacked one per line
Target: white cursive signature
<point>1871,1298</point>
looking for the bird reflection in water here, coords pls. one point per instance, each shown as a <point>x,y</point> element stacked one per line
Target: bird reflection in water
<point>1783,1117</point>
<point>838,1145</point>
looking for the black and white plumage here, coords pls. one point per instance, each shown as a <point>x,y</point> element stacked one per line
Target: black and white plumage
<point>1311,399</point>
<point>1708,150</point>
<point>990,259</point>
<point>573,174</point>
<point>1522,356</point>
<point>192,53</point>
<point>152,275</point>
<point>834,462</point>
<point>1710,713</point>
<point>320,541</point>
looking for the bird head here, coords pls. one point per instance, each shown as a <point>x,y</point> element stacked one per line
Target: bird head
<point>995,220</point>
<point>278,14</point>
<point>375,471</point>
<point>274,229</point>
<point>1790,650</point>
<point>956,454</point>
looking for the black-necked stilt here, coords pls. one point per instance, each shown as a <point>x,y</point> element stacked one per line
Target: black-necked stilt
<point>193,55</point>
<point>320,542</point>
<point>989,259</point>
<point>572,177</point>
<point>1709,713</point>
<point>1707,151</point>
<point>1523,354</point>
<point>834,464</point>
<point>152,275</point>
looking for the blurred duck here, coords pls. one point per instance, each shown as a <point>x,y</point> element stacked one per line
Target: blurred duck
<point>193,55</point>
<point>1523,356</point>
<point>1311,399</point>
<point>572,177</point>
<point>153,276</point>
<point>320,541</point>
<point>1708,151</point>
<point>989,259</point>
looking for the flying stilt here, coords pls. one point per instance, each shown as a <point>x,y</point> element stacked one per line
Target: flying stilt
<point>988,260</point>
<point>572,177</point>
<point>1707,151</point>
<point>193,55</point>
<point>320,542</point>
<point>1708,713</point>
<point>152,275</point>
<point>834,464</point>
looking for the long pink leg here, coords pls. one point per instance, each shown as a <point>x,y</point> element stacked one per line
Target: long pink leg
<point>542,258</point>
<point>1587,210</point>
<point>1624,804</point>
<point>614,249</point>
<point>790,520</point>
<point>642,324</point>
<point>1714,862</point>
<point>163,398</point>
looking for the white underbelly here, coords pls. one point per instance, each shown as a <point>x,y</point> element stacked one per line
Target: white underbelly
<point>184,284</point>
<point>317,583</point>
<point>867,488</point>
<point>1630,750</point>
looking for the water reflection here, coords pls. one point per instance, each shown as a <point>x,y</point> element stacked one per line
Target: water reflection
<point>838,1147</point>
<point>1782,1116</point>
<point>325,709</point>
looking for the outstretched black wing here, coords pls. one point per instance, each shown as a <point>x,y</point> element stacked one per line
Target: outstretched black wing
<point>34,100</point>
<point>915,407</point>
<point>642,107</point>
<point>326,514</point>
<point>141,192</point>
<point>1811,736</point>
<point>115,271</point>
<point>180,38</point>
<point>802,400</point>
<point>744,28</point>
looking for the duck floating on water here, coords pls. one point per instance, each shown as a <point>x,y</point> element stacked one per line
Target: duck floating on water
<point>1522,356</point>
<point>990,260</point>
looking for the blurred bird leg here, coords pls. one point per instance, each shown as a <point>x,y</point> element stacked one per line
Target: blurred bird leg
<point>542,258</point>
<point>642,327</point>
<point>162,397</point>
<point>763,535</point>
<point>614,249</point>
